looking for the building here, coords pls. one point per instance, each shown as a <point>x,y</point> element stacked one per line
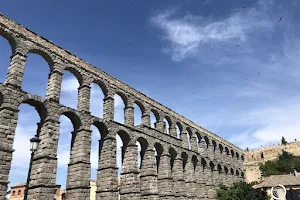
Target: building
<point>291,182</point>
<point>17,192</point>
<point>254,158</point>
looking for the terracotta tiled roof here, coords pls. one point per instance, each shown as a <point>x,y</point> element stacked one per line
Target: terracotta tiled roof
<point>285,180</point>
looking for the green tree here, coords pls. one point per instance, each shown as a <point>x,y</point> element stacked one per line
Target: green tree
<point>240,191</point>
<point>283,141</point>
<point>285,164</point>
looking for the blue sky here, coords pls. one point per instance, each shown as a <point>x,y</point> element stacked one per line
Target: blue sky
<point>230,66</point>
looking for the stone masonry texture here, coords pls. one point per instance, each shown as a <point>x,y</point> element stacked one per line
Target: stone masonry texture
<point>189,167</point>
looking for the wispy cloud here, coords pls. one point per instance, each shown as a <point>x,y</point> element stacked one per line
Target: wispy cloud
<point>188,34</point>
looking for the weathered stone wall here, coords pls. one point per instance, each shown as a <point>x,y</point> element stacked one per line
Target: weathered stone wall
<point>179,172</point>
<point>259,156</point>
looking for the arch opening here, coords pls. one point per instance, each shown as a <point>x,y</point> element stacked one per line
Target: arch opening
<point>142,147</point>
<point>6,53</point>
<point>173,155</point>
<point>122,142</point>
<point>28,125</point>
<point>120,103</point>
<point>154,118</point>
<point>178,130</point>
<point>184,157</point>
<point>35,78</point>
<point>138,113</point>
<point>69,89</point>
<point>167,125</point>
<point>158,152</point>
<point>96,100</point>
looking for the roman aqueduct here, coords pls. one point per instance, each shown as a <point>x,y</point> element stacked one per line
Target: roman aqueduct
<point>171,167</point>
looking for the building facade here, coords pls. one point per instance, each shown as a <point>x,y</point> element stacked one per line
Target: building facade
<point>17,192</point>
<point>188,165</point>
<point>255,157</point>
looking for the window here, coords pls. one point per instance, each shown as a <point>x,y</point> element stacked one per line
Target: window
<point>13,193</point>
<point>19,192</point>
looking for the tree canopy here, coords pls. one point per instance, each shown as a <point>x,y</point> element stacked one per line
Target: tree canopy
<point>285,164</point>
<point>240,191</point>
<point>283,141</point>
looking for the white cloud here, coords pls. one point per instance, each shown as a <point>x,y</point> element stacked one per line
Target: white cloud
<point>188,34</point>
<point>70,84</point>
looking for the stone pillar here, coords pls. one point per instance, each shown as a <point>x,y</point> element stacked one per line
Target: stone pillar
<point>160,125</point>
<point>43,174</point>
<point>129,114</point>
<point>54,85</point>
<point>8,118</point>
<point>178,176</point>
<point>108,108</point>
<point>216,178</point>
<point>148,177</point>
<point>184,140</point>
<point>107,176</point>
<point>130,178</point>
<point>203,148</point>
<point>79,168</point>
<point>201,182</point>
<point>217,152</point>
<point>84,93</point>
<point>173,131</point>
<point>210,188</point>
<point>165,181</point>
<point>146,118</point>
<point>189,179</point>
<point>193,141</point>
<point>16,68</point>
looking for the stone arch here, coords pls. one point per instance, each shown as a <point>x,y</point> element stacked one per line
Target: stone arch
<point>232,153</point>
<point>47,57</point>
<point>203,163</point>
<point>227,151</point>
<point>195,162</point>
<point>242,157</point>
<point>198,138</point>
<point>159,150</point>
<point>138,115</point>
<point>237,155</point>
<point>231,171</point>
<point>35,102</point>
<point>102,127</point>
<point>212,165</point>
<point>262,155</point>
<point>221,148</point>
<point>102,86</point>
<point>179,129</point>
<point>72,115</point>
<point>125,139</point>
<point>189,137</point>
<point>214,145</point>
<point>10,38</point>
<point>226,169</point>
<point>184,157</point>
<point>242,174</point>
<point>154,115</point>
<point>141,106</point>
<point>73,70</point>
<point>206,141</point>
<point>144,145</point>
<point>123,97</point>
<point>237,173</point>
<point>167,125</point>
<point>120,104</point>
<point>219,167</point>
<point>173,154</point>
